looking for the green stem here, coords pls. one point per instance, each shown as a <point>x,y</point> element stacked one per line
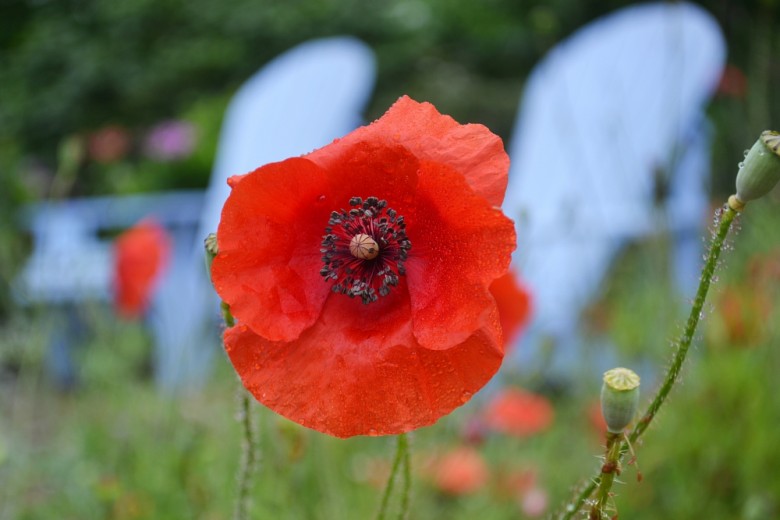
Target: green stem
<point>250,454</point>
<point>248,459</point>
<point>609,469</point>
<point>683,344</point>
<point>407,480</point>
<point>401,455</point>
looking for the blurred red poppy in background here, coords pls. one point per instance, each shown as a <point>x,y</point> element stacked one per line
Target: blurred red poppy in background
<point>596,419</point>
<point>461,471</point>
<point>733,82</point>
<point>359,274</point>
<point>140,255</point>
<point>519,413</point>
<point>109,144</point>
<point>514,305</point>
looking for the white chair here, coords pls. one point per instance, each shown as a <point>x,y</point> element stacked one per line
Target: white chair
<point>300,101</point>
<point>607,116</point>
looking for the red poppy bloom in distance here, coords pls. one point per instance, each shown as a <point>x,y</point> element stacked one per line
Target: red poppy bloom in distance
<point>140,255</point>
<point>514,305</point>
<point>461,471</point>
<point>519,413</point>
<point>359,274</point>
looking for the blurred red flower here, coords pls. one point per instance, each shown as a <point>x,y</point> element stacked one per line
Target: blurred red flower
<point>733,82</point>
<point>517,412</point>
<point>140,255</point>
<point>375,319</point>
<point>515,483</point>
<point>109,144</point>
<point>596,419</point>
<point>514,305</point>
<point>461,471</point>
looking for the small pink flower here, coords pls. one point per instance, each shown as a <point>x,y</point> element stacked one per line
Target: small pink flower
<point>170,141</point>
<point>534,502</point>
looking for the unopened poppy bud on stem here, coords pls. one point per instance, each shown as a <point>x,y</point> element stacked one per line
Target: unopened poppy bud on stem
<point>760,171</point>
<point>211,250</point>
<point>619,398</point>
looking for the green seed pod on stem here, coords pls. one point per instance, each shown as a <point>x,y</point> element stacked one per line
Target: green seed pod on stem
<point>760,171</point>
<point>619,398</point>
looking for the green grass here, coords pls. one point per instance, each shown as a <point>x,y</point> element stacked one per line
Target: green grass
<point>116,448</point>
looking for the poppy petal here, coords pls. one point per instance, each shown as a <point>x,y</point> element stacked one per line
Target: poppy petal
<point>472,150</point>
<point>368,170</point>
<point>460,244</point>
<point>268,264</point>
<point>357,374</point>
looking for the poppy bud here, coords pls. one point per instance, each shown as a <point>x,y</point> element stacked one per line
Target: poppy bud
<point>619,398</point>
<point>760,170</point>
<point>211,251</point>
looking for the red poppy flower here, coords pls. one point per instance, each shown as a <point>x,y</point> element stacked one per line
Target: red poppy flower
<point>519,413</point>
<point>461,471</point>
<point>514,305</point>
<point>140,254</point>
<point>359,274</point>
<point>596,419</point>
<point>733,82</point>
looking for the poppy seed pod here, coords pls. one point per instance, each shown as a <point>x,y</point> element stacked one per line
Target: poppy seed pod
<point>619,398</point>
<point>760,170</point>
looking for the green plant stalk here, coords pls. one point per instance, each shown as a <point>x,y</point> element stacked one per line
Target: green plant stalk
<point>609,469</point>
<point>248,459</point>
<point>401,456</point>
<point>683,344</point>
<point>407,481</point>
<point>250,455</point>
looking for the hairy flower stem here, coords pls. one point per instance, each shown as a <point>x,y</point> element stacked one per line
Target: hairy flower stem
<point>683,344</point>
<point>401,458</point>
<point>248,459</point>
<point>609,469</point>
<point>250,454</point>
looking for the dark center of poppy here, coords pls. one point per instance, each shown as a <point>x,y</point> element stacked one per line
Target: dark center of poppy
<point>364,249</point>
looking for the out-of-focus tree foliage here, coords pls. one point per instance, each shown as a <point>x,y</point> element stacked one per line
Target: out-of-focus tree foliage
<point>70,67</point>
<point>73,65</point>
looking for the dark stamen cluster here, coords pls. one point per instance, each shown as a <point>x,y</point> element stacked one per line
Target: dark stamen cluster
<point>354,276</point>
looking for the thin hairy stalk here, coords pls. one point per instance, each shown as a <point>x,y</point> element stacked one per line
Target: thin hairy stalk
<point>407,475</point>
<point>683,344</point>
<point>248,458</point>
<point>608,471</point>
<point>401,456</point>
<point>727,217</point>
